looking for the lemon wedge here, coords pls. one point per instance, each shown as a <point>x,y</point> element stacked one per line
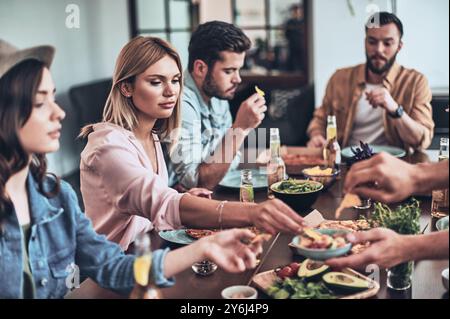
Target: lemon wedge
<point>141,269</point>
<point>259,91</point>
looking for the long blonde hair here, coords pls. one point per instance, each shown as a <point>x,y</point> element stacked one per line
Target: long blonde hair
<point>136,57</point>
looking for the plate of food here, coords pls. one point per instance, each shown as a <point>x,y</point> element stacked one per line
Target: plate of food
<point>200,233</point>
<point>316,220</point>
<point>314,280</point>
<point>326,176</point>
<point>295,158</point>
<point>190,235</point>
<point>351,226</point>
<point>322,244</point>
<point>361,150</point>
<point>233,179</point>
<point>177,236</point>
<point>292,159</point>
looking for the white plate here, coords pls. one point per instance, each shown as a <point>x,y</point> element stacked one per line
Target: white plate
<point>394,151</point>
<point>177,236</point>
<point>233,179</point>
<point>442,224</point>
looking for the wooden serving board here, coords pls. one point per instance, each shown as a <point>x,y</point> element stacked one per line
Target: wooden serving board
<point>266,279</point>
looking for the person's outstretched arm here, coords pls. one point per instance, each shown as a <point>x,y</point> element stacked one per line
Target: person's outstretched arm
<point>389,249</point>
<point>388,179</point>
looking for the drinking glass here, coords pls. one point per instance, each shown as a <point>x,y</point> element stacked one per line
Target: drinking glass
<point>366,203</point>
<point>400,277</point>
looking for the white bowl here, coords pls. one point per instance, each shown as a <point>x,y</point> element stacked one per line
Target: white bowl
<point>445,278</point>
<point>239,292</point>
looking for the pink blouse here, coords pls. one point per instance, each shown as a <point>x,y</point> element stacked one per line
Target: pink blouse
<point>122,194</point>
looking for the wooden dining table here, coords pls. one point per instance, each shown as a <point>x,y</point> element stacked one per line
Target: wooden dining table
<point>426,279</point>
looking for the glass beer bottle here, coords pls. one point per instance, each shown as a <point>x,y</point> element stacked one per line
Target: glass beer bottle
<point>144,287</point>
<point>332,150</point>
<point>440,202</point>
<point>276,169</point>
<point>246,191</point>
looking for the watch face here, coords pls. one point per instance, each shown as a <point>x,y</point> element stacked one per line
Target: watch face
<point>398,112</point>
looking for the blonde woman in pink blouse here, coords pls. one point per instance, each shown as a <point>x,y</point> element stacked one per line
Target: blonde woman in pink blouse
<point>124,181</point>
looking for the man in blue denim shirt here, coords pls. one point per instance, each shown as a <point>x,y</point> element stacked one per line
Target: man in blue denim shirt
<point>209,141</point>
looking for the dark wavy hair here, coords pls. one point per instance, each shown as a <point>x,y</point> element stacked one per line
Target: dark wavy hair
<point>383,18</point>
<point>18,88</point>
<point>211,38</point>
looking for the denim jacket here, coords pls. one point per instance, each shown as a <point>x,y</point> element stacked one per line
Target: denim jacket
<point>62,240</point>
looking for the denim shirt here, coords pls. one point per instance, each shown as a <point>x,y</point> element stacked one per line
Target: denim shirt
<point>63,241</point>
<point>203,127</point>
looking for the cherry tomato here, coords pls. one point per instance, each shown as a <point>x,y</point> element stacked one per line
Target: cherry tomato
<point>294,267</point>
<point>286,272</point>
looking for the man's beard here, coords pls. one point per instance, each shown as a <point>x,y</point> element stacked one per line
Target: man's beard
<point>383,69</point>
<point>211,89</point>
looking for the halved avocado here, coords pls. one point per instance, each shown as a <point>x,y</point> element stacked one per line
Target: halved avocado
<point>312,270</point>
<point>341,282</point>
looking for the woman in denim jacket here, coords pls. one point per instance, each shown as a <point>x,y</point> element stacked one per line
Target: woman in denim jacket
<point>44,237</point>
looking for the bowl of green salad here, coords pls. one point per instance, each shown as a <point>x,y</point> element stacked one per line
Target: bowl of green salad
<point>299,194</point>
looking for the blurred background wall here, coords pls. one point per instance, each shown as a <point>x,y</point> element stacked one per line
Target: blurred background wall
<point>335,40</point>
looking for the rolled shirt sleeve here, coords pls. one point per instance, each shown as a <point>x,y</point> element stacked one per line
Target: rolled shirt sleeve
<point>158,257</point>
